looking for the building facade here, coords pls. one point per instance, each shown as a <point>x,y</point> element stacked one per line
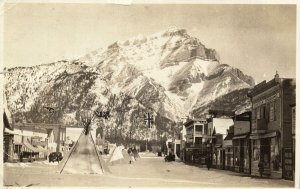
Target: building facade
<point>242,143</point>
<point>197,141</point>
<point>228,148</point>
<point>7,139</point>
<point>293,107</point>
<point>271,127</point>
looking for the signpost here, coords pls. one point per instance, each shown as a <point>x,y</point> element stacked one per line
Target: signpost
<point>148,120</point>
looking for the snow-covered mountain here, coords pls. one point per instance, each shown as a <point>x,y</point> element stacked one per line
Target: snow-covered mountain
<point>170,74</point>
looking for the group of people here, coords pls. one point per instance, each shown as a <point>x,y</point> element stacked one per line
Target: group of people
<point>133,154</point>
<point>261,164</point>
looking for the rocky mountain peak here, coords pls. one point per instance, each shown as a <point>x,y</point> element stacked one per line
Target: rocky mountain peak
<point>170,73</point>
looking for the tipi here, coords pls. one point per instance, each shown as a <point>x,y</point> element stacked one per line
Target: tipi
<point>119,156</point>
<point>83,157</point>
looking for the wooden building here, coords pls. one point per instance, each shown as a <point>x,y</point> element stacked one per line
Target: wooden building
<point>228,148</point>
<point>221,131</point>
<point>241,143</point>
<point>271,127</point>
<point>197,140</point>
<point>7,139</point>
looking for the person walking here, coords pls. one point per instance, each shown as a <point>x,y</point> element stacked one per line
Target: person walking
<point>208,162</point>
<point>261,167</point>
<point>132,159</point>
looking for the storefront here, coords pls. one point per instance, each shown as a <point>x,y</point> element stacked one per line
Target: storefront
<point>271,127</point>
<point>218,156</point>
<point>198,141</point>
<point>266,148</point>
<point>228,150</point>
<point>241,153</point>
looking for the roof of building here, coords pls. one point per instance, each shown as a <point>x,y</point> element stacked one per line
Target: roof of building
<point>246,116</point>
<point>259,88</point>
<point>32,128</point>
<point>193,121</point>
<point>229,136</point>
<point>6,121</point>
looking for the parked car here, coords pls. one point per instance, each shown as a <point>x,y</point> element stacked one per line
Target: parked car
<point>55,156</point>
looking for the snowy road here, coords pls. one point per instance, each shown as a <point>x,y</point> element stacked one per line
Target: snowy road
<point>147,171</point>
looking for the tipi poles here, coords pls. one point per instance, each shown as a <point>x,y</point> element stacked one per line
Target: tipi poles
<point>71,151</point>
<point>99,157</point>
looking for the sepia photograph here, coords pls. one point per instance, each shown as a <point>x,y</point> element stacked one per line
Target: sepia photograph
<point>148,94</point>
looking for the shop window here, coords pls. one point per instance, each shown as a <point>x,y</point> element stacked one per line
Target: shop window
<point>272,111</point>
<point>198,140</point>
<point>267,114</point>
<point>199,128</point>
<point>256,150</point>
<point>274,104</point>
<point>258,113</point>
<point>263,112</point>
<point>236,153</point>
<point>265,151</point>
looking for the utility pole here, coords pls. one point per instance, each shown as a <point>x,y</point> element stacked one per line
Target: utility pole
<point>58,139</point>
<point>148,119</point>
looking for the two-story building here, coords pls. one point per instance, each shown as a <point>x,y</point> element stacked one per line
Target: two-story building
<point>271,126</point>
<point>221,127</point>
<point>197,139</point>
<point>30,143</point>
<point>228,149</point>
<point>241,143</point>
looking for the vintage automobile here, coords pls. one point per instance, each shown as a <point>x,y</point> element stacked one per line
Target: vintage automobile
<point>55,156</point>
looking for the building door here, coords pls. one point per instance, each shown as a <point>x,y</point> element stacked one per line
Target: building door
<point>178,150</point>
<point>223,158</point>
<point>265,150</point>
<point>242,155</point>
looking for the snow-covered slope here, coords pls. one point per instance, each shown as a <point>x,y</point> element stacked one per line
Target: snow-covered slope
<point>168,73</point>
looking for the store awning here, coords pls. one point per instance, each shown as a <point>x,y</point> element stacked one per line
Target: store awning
<point>254,137</point>
<point>6,130</point>
<point>31,148</point>
<point>19,132</point>
<point>41,148</point>
<point>267,135</point>
<point>239,137</point>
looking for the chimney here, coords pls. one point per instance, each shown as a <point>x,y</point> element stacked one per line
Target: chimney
<point>276,77</point>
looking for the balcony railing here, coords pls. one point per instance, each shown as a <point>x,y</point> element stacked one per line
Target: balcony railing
<point>199,133</point>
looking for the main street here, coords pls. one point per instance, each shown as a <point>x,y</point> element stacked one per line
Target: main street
<point>148,170</point>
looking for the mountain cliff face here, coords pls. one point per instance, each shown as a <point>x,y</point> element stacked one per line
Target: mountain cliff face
<point>170,74</point>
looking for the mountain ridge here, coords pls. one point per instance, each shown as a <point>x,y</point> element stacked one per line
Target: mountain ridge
<point>170,74</point>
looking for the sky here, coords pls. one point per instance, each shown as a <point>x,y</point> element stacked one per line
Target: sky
<point>257,39</point>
